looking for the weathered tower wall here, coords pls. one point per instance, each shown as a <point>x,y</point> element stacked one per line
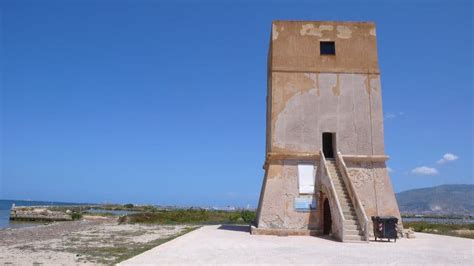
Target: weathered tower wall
<point>309,94</point>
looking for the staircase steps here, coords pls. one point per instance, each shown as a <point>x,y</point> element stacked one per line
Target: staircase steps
<point>352,229</point>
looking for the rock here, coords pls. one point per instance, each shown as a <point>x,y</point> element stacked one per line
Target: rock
<point>38,213</point>
<point>409,233</point>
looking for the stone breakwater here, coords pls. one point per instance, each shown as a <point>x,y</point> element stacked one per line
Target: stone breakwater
<point>39,213</point>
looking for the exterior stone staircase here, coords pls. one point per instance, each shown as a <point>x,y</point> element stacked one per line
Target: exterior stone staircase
<point>351,227</point>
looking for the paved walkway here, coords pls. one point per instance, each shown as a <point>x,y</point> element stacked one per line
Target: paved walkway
<point>234,245</point>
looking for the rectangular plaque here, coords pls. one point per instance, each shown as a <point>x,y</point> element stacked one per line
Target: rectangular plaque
<point>307,203</point>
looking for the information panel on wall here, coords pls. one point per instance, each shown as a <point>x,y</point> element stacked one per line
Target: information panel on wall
<point>305,203</point>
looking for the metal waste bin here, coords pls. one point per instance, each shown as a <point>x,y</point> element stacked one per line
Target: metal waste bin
<point>385,227</point>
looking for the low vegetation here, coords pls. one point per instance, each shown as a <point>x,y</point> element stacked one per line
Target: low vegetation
<point>100,244</point>
<point>76,215</point>
<point>125,207</point>
<point>99,214</point>
<point>436,216</point>
<point>149,214</point>
<point>191,216</point>
<point>459,230</point>
<point>111,255</point>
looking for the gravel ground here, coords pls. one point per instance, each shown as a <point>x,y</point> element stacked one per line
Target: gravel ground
<point>94,240</point>
<point>224,245</point>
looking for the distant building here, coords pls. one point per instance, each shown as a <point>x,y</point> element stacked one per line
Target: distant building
<point>325,170</point>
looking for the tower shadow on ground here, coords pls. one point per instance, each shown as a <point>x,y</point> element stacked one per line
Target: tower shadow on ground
<point>239,228</point>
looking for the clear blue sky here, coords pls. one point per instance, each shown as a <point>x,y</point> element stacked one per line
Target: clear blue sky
<point>152,102</point>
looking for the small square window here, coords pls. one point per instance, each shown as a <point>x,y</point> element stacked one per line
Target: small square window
<point>327,48</point>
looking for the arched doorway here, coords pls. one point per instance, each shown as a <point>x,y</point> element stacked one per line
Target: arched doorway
<point>327,221</point>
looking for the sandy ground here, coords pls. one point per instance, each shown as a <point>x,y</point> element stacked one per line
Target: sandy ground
<point>91,241</point>
<point>219,245</point>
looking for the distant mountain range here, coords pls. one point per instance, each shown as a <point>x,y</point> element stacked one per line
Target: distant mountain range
<point>444,199</point>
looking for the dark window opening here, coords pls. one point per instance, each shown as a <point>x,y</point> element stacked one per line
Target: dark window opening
<point>328,145</point>
<point>327,48</point>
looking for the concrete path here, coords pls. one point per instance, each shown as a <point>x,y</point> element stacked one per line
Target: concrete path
<point>211,245</point>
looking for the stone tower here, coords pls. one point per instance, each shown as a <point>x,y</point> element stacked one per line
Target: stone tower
<point>325,170</point>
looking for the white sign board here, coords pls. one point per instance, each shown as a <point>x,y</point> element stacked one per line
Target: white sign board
<point>306,177</point>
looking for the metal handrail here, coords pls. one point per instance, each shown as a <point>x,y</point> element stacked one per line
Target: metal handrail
<point>333,191</point>
<point>360,211</point>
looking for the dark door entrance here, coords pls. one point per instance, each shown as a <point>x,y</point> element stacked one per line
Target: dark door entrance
<point>327,221</point>
<point>328,147</point>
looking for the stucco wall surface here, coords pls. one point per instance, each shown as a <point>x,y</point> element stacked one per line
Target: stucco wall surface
<point>277,200</point>
<point>295,46</point>
<point>304,105</point>
<point>374,188</point>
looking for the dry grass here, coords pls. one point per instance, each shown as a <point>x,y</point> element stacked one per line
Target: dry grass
<point>458,230</point>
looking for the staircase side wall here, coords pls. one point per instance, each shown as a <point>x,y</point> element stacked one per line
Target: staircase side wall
<point>337,222</point>
<point>374,188</point>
